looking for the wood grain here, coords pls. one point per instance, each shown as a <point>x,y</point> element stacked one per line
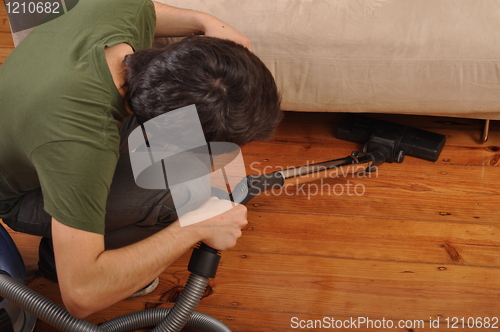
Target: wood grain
<point>318,140</point>
<point>6,42</point>
<point>468,178</point>
<point>420,243</point>
<point>4,19</point>
<point>307,286</point>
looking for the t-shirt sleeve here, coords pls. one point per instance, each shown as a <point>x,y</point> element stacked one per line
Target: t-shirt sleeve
<point>135,25</point>
<point>146,25</point>
<point>75,178</point>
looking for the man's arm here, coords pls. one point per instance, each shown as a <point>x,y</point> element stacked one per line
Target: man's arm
<point>175,22</point>
<point>91,278</point>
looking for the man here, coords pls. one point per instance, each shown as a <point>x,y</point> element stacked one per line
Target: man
<point>66,95</point>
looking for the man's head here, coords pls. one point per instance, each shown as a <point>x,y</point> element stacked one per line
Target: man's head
<point>235,94</point>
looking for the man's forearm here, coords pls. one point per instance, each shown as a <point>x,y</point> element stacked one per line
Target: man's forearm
<point>91,279</point>
<point>177,22</point>
<point>89,286</point>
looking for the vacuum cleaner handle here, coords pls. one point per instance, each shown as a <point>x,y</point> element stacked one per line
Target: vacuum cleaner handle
<point>205,259</point>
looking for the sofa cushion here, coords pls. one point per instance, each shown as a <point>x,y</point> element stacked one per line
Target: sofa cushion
<point>403,56</point>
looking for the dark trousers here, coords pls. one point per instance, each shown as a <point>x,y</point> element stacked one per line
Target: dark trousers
<point>132,213</point>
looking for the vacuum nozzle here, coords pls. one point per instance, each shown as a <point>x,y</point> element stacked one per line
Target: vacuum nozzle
<point>392,140</point>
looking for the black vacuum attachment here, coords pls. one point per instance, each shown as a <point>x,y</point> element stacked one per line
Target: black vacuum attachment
<point>389,140</point>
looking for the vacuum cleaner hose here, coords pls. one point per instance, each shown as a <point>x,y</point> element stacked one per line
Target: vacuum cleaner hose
<point>178,317</point>
<point>42,308</point>
<point>61,319</point>
<point>152,317</point>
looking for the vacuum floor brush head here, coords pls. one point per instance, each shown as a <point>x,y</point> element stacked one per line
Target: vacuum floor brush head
<point>397,139</point>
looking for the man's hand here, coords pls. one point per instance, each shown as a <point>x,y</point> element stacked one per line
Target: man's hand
<point>177,22</point>
<point>218,221</point>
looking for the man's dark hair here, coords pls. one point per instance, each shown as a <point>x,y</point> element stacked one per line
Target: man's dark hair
<point>234,92</point>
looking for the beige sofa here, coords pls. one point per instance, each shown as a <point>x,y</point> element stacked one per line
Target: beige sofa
<point>388,56</point>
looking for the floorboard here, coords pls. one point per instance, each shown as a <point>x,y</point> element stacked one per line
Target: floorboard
<point>420,243</point>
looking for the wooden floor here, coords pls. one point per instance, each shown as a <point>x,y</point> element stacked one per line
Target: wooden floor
<point>6,43</point>
<point>416,242</point>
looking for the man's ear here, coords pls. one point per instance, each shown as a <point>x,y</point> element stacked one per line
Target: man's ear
<point>128,108</point>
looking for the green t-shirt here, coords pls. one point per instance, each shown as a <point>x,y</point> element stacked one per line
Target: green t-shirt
<point>60,110</point>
